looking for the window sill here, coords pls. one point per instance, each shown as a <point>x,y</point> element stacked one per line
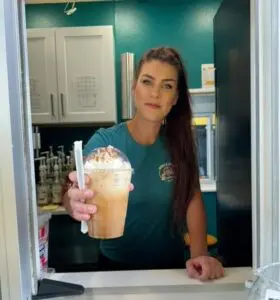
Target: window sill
<point>235,279</point>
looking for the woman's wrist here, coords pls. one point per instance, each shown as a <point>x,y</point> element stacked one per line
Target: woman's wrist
<point>206,253</point>
<point>198,248</point>
<point>195,254</point>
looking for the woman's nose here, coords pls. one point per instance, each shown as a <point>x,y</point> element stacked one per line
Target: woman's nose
<point>155,92</point>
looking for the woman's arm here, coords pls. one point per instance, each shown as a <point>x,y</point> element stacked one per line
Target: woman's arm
<point>197,226</point>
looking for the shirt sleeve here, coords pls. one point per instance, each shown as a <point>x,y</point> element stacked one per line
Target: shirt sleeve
<point>99,139</point>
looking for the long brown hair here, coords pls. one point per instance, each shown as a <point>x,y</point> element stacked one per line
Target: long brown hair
<point>179,136</point>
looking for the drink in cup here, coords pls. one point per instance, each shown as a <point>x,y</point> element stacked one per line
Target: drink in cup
<point>110,172</point>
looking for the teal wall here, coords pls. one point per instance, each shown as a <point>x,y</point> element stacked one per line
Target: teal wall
<point>184,24</point>
<point>139,25</point>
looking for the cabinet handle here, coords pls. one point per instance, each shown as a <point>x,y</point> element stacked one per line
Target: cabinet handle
<point>52,105</point>
<point>62,104</point>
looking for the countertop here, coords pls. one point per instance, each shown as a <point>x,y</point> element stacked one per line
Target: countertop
<point>157,294</point>
<point>157,284</point>
<point>206,186</point>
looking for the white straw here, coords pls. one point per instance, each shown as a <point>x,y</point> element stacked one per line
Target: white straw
<point>78,150</point>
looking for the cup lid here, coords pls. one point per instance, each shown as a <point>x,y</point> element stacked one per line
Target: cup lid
<point>105,158</point>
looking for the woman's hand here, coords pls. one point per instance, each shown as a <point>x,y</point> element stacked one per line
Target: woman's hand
<point>204,268</point>
<point>75,199</point>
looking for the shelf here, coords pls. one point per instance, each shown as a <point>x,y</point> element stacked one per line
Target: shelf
<point>202,91</point>
<point>203,121</point>
<point>208,185</point>
<point>53,209</point>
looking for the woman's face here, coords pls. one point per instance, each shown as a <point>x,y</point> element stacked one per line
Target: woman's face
<point>155,90</point>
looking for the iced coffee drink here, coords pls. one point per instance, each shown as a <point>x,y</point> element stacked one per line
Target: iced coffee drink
<point>110,173</point>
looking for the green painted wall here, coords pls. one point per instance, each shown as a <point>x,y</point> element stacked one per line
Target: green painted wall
<point>186,25</point>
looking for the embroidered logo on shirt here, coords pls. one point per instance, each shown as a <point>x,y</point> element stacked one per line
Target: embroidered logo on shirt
<point>166,172</point>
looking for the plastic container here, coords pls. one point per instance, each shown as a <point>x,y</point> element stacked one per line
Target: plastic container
<point>267,284</point>
<point>43,231</point>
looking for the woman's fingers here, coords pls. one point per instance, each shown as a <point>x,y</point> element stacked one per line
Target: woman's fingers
<point>82,208</point>
<point>79,195</point>
<point>131,187</point>
<point>73,178</point>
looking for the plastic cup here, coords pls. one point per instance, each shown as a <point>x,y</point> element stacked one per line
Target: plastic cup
<point>110,172</point>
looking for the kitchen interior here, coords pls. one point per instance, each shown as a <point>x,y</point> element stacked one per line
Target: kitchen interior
<point>80,50</point>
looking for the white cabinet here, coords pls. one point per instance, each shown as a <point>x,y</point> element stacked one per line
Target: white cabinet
<point>72,75</point>
<point>42,75</point>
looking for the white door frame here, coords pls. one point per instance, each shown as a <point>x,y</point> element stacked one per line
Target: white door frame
<point>18,217</point>
<point>19,264</point>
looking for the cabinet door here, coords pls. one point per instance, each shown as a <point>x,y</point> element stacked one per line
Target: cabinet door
<point>86,74</point>
<point>42,75</point>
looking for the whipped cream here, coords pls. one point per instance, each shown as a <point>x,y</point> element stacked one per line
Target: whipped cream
<point>105,158</point>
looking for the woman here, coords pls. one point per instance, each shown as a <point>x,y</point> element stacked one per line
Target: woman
<point>166,200</point>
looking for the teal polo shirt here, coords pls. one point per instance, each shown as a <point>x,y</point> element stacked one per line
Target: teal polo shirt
<point>148,239</point>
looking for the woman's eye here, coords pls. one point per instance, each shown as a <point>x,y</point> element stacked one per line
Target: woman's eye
<point>168,86</point>
<point>146,81</point>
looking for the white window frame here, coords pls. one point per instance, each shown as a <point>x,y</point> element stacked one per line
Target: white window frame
<point>265,130</point>
<point>19,262</point>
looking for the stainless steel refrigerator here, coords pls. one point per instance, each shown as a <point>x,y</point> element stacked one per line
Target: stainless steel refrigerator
<point>233,137</point>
